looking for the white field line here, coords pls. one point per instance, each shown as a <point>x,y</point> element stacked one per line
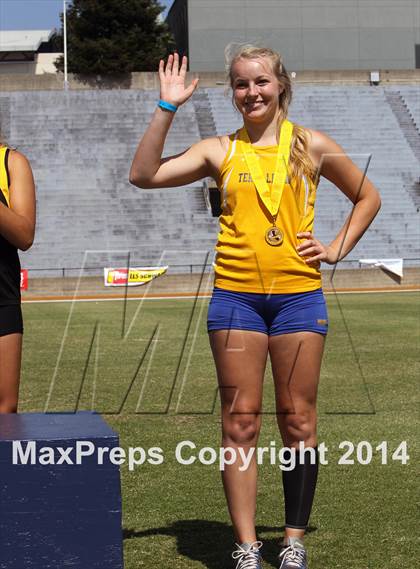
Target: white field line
<point>204,296</point>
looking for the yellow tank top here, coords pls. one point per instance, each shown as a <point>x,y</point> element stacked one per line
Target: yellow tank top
<point>245,262</point>
<point>4,177</point>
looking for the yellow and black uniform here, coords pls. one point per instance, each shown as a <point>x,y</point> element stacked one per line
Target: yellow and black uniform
<point>244,260</point>
<point>10,312</point>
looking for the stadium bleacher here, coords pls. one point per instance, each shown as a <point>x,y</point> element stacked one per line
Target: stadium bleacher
<point>411,96</point>
<point>81,143</point>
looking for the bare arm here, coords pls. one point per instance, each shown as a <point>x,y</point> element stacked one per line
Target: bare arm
<point>17,222</point>
<point>337,167</point>
<point>148,169</point>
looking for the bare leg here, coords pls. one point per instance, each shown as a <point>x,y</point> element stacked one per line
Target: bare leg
<point>240,358</point>
<point>10,359</point>
<point>296,363</point>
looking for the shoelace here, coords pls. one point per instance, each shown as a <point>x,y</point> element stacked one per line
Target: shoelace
<point>294,554</point>
<point>248,558</point>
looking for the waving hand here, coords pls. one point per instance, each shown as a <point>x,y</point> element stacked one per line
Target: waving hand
<point>172,81</point>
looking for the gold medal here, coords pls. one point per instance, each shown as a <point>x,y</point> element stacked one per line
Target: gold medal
<point>274,236</point>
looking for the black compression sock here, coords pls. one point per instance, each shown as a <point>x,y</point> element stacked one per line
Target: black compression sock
<point>299,488</point>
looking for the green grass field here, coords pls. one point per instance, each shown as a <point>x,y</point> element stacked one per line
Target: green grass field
<point>156,387</point>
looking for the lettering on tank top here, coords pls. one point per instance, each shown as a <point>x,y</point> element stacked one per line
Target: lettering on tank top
<point>246,178</point>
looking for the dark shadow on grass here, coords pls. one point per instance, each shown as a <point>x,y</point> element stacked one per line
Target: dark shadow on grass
<point>210,542</point>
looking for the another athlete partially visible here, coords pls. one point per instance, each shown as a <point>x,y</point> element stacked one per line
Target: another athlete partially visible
<point>17,227</point>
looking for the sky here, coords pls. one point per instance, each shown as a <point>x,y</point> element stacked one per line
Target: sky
<point>36,14</point>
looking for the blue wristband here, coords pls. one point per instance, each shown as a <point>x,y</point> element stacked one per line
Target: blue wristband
<point>167,106</point>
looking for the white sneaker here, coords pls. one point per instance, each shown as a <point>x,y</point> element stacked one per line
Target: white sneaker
<point>248,555</point>
<point>293,555</point>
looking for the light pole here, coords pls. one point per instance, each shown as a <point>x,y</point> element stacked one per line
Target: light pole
<point>66,83</point>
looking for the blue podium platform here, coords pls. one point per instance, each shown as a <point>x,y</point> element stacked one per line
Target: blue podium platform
<point>54,514</point>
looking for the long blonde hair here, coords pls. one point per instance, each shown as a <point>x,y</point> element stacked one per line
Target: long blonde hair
<point>300,163</point>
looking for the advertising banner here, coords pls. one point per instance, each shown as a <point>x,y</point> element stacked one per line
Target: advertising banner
<point>24,279</point>
<point>135,276</point>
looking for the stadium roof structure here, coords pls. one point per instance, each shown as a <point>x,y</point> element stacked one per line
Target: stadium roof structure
<point>22,44</point>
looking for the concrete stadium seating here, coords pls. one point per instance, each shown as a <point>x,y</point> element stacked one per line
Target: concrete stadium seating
<point>411,96</point>
<point>81,143</point>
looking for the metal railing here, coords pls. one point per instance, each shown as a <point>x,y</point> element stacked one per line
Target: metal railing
<point>182,268</point>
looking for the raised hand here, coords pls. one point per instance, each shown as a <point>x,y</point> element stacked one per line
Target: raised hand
<point>172,81</point>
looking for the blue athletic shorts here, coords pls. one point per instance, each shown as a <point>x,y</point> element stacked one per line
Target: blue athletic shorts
<point>271,314</point>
